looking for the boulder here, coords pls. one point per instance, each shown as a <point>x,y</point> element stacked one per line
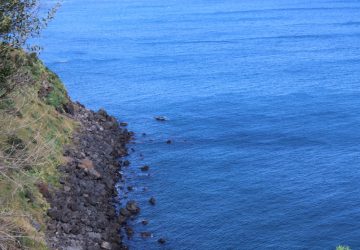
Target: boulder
<point>145,168</point>
<point>122,219</point>
<point>160,118</point>
<point>162,241</point>
<point>132,207</point>
<point>129,231</point>
<point>88,166</point>
<point>152,201</point>
<point>69,108</point>
<point>125,212</point>
<point>145,234</point>
<point>44,190</point>
<point>106,245</point>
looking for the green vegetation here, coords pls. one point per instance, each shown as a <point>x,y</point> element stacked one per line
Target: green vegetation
<point>33,133</point>
<point>21,19</point>
<point>58,96</point>
<point>343,248</point>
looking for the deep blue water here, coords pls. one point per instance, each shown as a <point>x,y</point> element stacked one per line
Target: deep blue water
<point>263,101</point>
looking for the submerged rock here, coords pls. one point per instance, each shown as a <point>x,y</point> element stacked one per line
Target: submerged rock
<point>162,241</point>
<point>145,168</point>
<point>145,234</point>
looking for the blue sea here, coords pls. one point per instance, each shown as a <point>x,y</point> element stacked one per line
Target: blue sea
<point>263,105</point>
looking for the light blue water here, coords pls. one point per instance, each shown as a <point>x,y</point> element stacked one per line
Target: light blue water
<point>263,98</point>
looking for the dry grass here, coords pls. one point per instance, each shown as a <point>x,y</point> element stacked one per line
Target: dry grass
<point>32,136</point>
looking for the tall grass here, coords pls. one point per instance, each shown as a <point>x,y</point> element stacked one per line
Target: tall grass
<point>32,136</point>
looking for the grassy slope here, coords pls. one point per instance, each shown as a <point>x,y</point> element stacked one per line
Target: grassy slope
<point>32,136</point>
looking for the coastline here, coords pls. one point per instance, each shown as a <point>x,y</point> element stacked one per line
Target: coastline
<point>82,213</point>
<point>62,164</point>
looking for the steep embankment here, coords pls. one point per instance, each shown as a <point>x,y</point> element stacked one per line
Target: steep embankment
<point>58,163</point>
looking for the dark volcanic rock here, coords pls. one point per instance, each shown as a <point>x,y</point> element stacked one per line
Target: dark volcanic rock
<point>82,215</point>
<point>160,118</point>
<point>129,231</point>
<point>145,168</point>
<point>69,108</point>
<point>145,234</point>
<point>132,207</point>
<point>125,212</point>
<point>152,201</point>
<point>162,241</point>
<point>122,219</point>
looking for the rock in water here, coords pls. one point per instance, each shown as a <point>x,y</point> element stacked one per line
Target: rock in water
<point>122,219</point>
<point>145,234</point>
<point>162,241</point>
<point>152,201</point>
<point>132,207</point>
<point>161,118</point>
<point>145,168</point>
<point>125,212</point>
<point>129,231</point>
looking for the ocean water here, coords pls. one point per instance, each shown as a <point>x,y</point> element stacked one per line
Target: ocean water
<point>263,101</point>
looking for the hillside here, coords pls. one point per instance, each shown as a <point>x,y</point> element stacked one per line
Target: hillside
<point>47,155</point>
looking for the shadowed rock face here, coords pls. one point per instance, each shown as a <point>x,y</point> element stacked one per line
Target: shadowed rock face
<point>82,214</point>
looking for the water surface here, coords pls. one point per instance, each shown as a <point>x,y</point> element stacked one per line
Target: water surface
<point>263,99</point>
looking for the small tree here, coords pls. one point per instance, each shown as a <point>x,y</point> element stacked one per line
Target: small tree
<point>22,19</point>
<point>19,21</point>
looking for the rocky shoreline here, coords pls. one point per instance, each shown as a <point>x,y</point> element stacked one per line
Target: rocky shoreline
<point>82,214</point>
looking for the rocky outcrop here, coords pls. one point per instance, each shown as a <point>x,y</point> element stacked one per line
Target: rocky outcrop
<point>82,213</point>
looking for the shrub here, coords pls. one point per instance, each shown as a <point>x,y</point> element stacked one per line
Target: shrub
<point>343,248</point>
<point>22,19</point>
